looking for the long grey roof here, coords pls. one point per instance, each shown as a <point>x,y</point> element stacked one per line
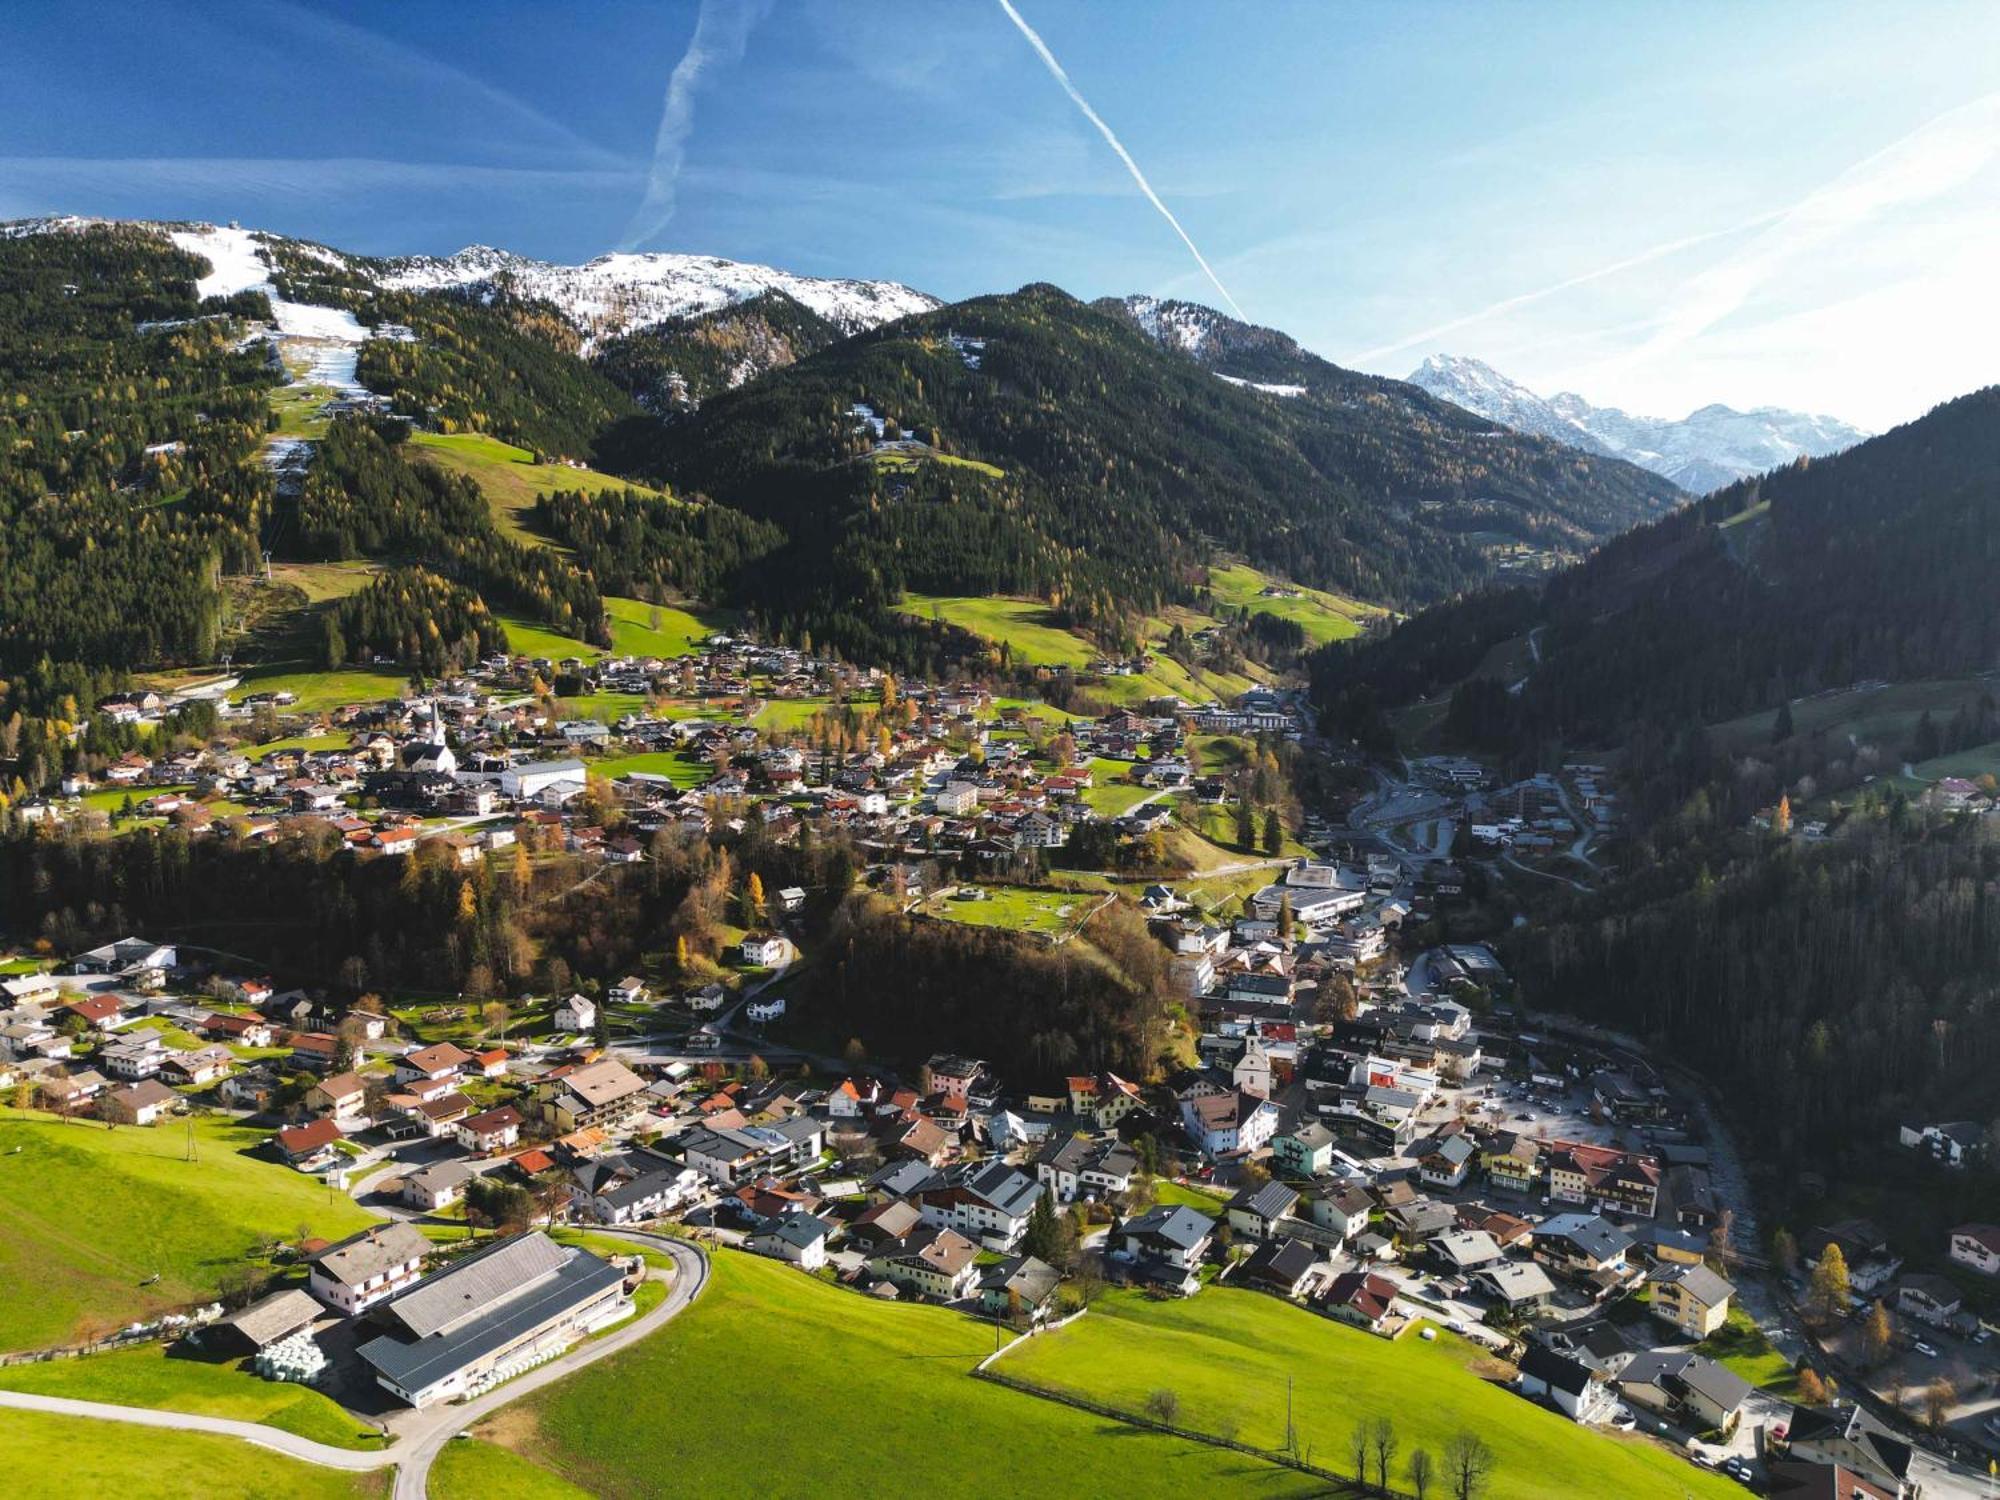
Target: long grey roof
<point>464,1289</point>
<point>414,1363</point>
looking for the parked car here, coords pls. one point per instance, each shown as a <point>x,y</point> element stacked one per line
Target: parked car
<point>1924,1349</point>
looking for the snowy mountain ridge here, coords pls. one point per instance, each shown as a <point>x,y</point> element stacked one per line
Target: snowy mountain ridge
<point>604,297</point>
<point>1712,446</point>
<point>616,293</point>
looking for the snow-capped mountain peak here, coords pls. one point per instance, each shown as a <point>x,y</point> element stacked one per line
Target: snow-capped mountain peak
<point>1712,446</point>
<point>615,293</point>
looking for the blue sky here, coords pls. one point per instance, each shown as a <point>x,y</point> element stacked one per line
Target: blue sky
<point>1656,206</point>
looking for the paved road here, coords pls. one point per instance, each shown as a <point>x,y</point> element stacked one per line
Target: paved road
<point>353,1460</point>
<point>422,1435</point>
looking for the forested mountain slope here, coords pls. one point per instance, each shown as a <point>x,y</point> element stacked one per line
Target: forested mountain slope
<point>1121,464</point>
<point>1873,564</point>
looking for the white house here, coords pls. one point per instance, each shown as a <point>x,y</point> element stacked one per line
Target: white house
<point>364,1268</point>
<point>1977,1246</point>
<point>577,1013</point>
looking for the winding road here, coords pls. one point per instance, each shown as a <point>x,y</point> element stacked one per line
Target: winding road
<point>422,1434</point>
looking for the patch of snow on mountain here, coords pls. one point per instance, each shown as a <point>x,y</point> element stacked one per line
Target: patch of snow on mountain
<point>1705,450</point>
<point>1258,385</point>
<point>237,262</point>
<point>1178,325</point>
<point>614,293</point>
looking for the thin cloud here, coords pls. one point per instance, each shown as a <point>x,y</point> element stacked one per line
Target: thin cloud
<point>1937,158</point>
<point>720,35</point>
<point>1056,70</point>
<point>387,54</point>
<point>1541,294</point>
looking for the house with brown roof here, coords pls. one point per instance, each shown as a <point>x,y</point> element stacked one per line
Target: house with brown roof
<point>141,1103</point>
<point>440,1060</point>
<point>930,1261</point>
<point>492,1130</point>
<point>1363,1299</point>
<point>342,1098</point>
<point>305,1146</point>
<point>603,1093</point>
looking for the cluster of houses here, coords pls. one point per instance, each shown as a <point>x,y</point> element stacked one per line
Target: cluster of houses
<point>950,773</point>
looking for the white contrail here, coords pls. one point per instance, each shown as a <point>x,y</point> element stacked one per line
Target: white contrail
<point>1524,299</point>
<point>1049,60</point>
<point>720,34</point>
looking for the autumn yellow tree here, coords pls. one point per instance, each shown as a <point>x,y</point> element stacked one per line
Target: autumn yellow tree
<point>1781,820</point>
<point>1828,1293</point>
<point>754,889</point>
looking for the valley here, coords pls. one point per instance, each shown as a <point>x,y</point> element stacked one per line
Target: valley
<point>1022,866</point>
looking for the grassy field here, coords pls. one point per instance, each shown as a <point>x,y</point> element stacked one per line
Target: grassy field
<point>1886,713</point>
<point>298,409</point>
<point>684,769</point>
<point>485,1471</point>
<point>91,1213</point>
<point>637,629</point>
<point>1110,795</point>
<point>1027,626</point>
<point>1324,617</point>
<point>789,713</point>
<point>1035,638</point>
<point>1019,908</point>
<point>642,629</point>
<point>1228,1356</point>
<point>322,581</point>
<point>1744,1348</point>
<point>60,1458</point>
<point>527,637</point>
<point>302,742</point>
<point>509,478</point>
<point>886,1382</point>
<point>897,461</point>
<point>151,1376</point>
<point>325,690</point>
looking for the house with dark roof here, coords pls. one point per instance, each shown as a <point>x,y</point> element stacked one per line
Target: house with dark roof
<point>1871,1264</point>
<point>799,1239</point>
<point>1363,1299</point>
<point>1566,1383</point>
<point>1852,1440</point>
<point>1019,1283</point>
<point>1687,1388</point>
<point>1257,1211</point>
<point>1692,1298</point>
<point>487,1317</point>
<point>1581,1246</point>
<point>1793,1479</point>
<point>1977,1246</point>
<point>1165,1245</point>
<point>1282,1265</point>
<point>631,1186</point>
<point>989,1202</point>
